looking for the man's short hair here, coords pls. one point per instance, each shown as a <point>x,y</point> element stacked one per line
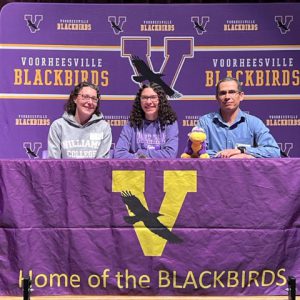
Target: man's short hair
<point>228,79</point>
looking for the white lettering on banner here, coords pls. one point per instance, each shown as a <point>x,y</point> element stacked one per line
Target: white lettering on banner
<point>61,62</point>
<point>253,62</point>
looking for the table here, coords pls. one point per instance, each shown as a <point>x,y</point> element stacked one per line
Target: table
<point>150,227</point>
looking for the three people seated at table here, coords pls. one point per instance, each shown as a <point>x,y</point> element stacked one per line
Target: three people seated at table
<point>152,130</point>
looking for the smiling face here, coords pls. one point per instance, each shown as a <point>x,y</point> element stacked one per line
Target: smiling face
<point>86,103</point>
<point>149,103</point>
<point>229,97</point>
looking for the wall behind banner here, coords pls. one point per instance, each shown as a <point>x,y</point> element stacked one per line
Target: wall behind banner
<point>48,48</point>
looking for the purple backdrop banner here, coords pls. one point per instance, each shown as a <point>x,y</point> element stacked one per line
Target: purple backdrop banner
<point>206,227</point>
<point>48,48</point>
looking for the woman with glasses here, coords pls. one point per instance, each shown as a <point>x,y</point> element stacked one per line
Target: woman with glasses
<point>152,131</point>
<point>82,131</point>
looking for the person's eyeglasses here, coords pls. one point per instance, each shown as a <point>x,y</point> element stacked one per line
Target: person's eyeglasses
<point>230,92</point>
<point>88,97</point>
<point>152,98</point>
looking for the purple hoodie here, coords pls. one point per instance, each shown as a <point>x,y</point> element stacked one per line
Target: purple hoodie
<point>148,142</point>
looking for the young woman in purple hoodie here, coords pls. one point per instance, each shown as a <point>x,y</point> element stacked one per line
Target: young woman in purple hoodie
<point>152,130</point>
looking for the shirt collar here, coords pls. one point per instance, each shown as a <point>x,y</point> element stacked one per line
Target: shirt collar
<point>240,117</point>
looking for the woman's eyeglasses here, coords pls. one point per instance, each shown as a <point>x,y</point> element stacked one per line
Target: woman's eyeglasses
<point>88,97</point>
<point>152,98</point>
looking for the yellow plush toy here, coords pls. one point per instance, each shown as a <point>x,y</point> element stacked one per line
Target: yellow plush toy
<point>196,147</point>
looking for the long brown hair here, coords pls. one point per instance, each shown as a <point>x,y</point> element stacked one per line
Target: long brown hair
<point>166,115</point>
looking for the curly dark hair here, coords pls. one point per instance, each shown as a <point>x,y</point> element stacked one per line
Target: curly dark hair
<point>70,106</point>
<point>166,115</point>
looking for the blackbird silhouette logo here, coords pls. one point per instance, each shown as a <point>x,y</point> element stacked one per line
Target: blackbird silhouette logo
<point>117,23</point>
<point>283,23</point>
<point>30,24</point>
<point>197,25</point>
<point>30,152</point>
<point>114,25</point>
<point>32,149</point>
<point>200,26</point>
<point>145,73</point>
<point>33,22</point>
<point>150,219</point>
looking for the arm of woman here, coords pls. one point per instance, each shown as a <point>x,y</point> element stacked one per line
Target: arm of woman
<point>123,146</point>
<point>54,141</point>
<point>105,145</point>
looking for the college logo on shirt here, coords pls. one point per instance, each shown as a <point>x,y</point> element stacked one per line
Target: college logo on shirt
<point>151,139</point>
<point>96,136</point>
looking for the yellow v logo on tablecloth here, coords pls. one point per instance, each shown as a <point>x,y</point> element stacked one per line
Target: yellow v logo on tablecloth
<point>176,186</point>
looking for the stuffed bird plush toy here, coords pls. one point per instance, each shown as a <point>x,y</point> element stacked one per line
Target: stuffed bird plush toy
<point>196,147</point>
